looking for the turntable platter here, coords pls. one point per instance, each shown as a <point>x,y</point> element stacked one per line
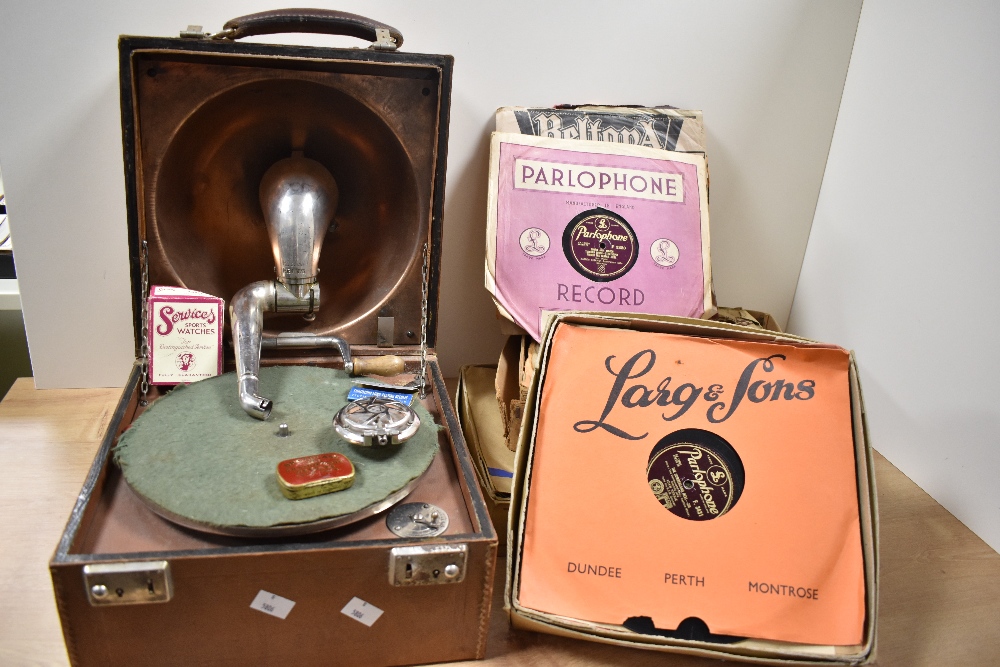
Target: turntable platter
<point>196,458</point>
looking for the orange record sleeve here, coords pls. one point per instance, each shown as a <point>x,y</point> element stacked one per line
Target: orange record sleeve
<point>634,511</point>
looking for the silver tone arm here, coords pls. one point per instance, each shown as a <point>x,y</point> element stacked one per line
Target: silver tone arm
<point>298,197</point>
<point>246,312</point>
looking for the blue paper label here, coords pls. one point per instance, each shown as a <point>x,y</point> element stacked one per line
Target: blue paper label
<point>364,392</point>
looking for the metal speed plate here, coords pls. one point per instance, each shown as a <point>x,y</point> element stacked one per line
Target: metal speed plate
<point>417,520</point>
<point>376,421</point>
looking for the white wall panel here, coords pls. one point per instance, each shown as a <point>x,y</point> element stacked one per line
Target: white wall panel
<point>767,74</point>
<point>902,261</point>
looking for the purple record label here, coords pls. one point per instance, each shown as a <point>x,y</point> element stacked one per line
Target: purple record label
<point>600,245</point>
<point>695,480</point>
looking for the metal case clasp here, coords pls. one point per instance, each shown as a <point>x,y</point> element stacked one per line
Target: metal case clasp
<point>424,565</point>
<point>128,583</point>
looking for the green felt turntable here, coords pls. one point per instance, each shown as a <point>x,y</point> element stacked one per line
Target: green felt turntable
<point>196,458</point>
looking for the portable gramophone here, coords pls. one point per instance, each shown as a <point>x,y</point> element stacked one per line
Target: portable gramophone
<point>353,144</point>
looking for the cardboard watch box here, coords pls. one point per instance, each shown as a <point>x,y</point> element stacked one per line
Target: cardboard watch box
<point>856,473</point>
<point>202,119</point>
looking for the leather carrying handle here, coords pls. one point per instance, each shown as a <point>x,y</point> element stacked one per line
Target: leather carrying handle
<point>325,21</point>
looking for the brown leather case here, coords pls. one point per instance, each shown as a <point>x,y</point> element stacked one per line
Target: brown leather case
<point>202,119</point>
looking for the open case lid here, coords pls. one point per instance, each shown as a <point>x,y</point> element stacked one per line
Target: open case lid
<point>203,119</point>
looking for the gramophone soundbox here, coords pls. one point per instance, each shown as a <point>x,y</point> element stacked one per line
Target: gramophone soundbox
<point>204,117</point>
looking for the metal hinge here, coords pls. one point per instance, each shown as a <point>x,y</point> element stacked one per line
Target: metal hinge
<point>128,583</point>
<point>383,40</point>
<point>195,32</point>
<point>386,332</point>
<point>431,564</point>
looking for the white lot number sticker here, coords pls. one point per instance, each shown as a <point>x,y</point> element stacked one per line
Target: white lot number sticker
<point>361,611</point>
<point>272,604</point>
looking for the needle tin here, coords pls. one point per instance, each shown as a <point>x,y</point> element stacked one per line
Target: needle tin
<point>308,476</point>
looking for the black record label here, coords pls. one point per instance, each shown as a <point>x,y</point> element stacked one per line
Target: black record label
<point>695,474</point>
<point>600,245</point>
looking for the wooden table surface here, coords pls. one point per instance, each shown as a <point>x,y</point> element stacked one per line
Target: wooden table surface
<point>939,595</point>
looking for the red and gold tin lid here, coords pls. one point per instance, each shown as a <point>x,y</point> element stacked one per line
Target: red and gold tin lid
<point>308,476</point>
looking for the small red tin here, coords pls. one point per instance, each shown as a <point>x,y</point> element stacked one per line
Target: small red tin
<point>309,476</point>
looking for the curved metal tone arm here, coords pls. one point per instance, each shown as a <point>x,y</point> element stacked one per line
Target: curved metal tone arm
<point>246,313</point>
<point>298,197</point>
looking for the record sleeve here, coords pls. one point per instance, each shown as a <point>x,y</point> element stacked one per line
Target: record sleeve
<point>675,477</point>
<point>659,127</point>
<point>588,225</point>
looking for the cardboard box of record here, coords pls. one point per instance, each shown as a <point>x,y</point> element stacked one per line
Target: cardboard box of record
<point>490,402</point>
<point>695,487</point>
<point>483,427</point>
<point>182,548</point>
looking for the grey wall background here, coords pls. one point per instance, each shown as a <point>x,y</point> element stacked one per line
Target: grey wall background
<point>768,76</point>
<point>902,261</point>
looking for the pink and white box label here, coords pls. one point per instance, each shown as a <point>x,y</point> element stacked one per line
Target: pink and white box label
<point>596,226</point>
<point>185,335</point>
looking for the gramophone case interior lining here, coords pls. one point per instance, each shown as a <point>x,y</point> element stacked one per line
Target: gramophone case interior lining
<point>210,128</point>
<point>784,560</point>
